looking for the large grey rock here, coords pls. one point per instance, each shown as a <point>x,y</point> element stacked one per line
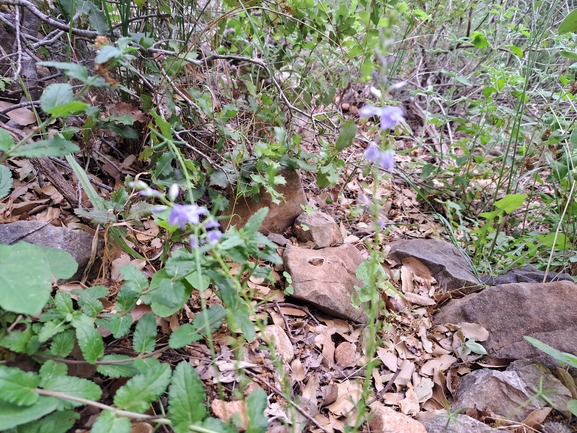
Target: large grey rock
<point>75,242</point>
<point>280,216</point>
<point>326,278</point>
<point>457,424</point>
<point>319,228</point>
<point>446,264</point>
<point>545,311</point>
<point>511,393</point>
<point>526,274</point>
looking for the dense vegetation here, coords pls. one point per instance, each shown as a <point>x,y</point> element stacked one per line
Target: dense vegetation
<point>167,112</point>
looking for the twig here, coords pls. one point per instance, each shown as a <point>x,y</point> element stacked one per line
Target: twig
<point>298,307</point>
<point>386,388</point>
<point>286,325</point>
<point>280,394</point>
<point>95,182</point>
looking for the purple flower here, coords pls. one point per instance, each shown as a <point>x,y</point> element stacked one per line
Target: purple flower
<point>213,236</point>
<point>182,214</point>
<point>173,191</point>
<point>389,114</point>
<point>193,241</point>
<point>211,223</point>
<point>383,158</point>
<point>149,192</point>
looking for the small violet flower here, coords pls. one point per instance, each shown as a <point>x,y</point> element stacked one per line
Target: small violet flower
<point>182,214</point>
<point>173,191</point>
<point>389,114</point>
<point>383,158</point>
<point>213,236</point>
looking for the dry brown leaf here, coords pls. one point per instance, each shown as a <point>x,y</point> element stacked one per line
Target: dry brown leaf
<point>390,360</point>
<point>438,364</point>
<point>407,280</point>
<point>413,298</point>
<point>536,418</point>
<point>282,344</point>
<point>410,404</point>
<point>291,311</point>
<point>298,370</point>
<point>385,419</point>
<point>224,410</point>
<point>21,116</point>
<point>324,423</point>
<point>424,389</point>
<point>325,341</point>
<point>407,370</point>
<point>141,427</point>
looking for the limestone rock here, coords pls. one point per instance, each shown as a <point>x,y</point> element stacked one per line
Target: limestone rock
<point>326,278</point>
<point>511,393</point>
<point>458,424</point>
<point>444,261</point>
<point>545,311</point>
<point>280,216</point>
<point>386,419</point>
<point>319,228</point>
<point>75,242</point>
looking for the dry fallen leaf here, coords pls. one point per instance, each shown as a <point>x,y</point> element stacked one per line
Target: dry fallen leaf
<point>346,354</point>
<point>224,410</point>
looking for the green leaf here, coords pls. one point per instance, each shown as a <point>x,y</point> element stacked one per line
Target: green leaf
<point>90,341</point>
<point>126,369</point>
<point>50,329</point>
<point>568,54</point>
<point>12,415</point>
<point>241,318</point>
<point>347,135</point>
<point>107,53</point>
<point>216,314</point>
<point>185,398</point>
<point>88,299</point>
<point>479,40</point>
<point>126,300</point>
<point>170,293</point>
<point>51,369</point>
<point>143,389</point>
<point>62,344</point>
<point>569,23</point>
<point>184,336</point>
<point>18,387</point>
<point>93,196</point>
<point>511,202</point>
<point>255,221</point>
<point>5,180</point>
<point>63,302</point>
<point>118,324</point>
<point>51,147</point>
<point>25,278</point>
<point>72,386</point>
<point>73,70</point>
<point>563,357</point>
<point>134,278</point>
<point>144,339</point>
<point>17,341</point>
<point>256,403</point>
<point>57,422</point>
<point>572,406</point>
<point>107,422</point>
<point>217,426</point>
<point>96,17</point>
<point>55,95</point>
<point>66,110</point>
<point>6,140</point>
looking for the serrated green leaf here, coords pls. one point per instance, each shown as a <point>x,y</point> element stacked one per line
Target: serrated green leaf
<point>126,300</point>
<point>126,369</point>
<point>217,426</point>
<point>568,54</point>
<point>17,341</point>
<point>51,147</point>
<point>5,181</point>
<point>67,110</point>
<point>118,324</point>
<point>50,329</point>
<point>57,422</point>
<point>107,53</point>
<point>171,293</point>
<point>347,135</point>
<point>18,387</point>
<point>96,18</point>
<point>134,279</point>
<point>184,336</point>
<point>181,263</point>
<point>144,339</point>
<point>90,342</point>
<point>63,302</point>
<point>73,70</point>
<point>143,389</point>
<point>25,278</point>
<point>52,369</point>
<point>569,23</point>
<point>255,221</point>
<point>215,314</point>
<point>256,404</point>
<point>241,319</point>
<point>55,95</point>
<point>6,140</point>
<point>145,364</point>
<point>62,344</point>
<point>72,386</point>
<point>107,422</point>
<point>185,398</point>
<point>12,415</point>
<point>511,202</point>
